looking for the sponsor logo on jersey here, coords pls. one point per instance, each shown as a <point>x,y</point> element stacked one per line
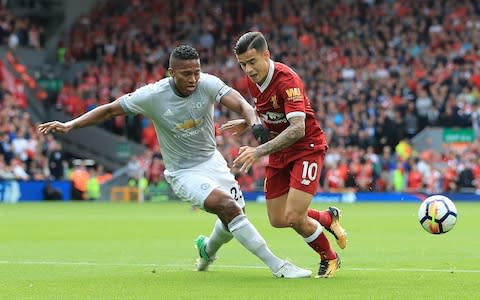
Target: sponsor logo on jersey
<point>294,94</point>
<point>272,117</point>
<point>198,105</point>
<point>189,124</point>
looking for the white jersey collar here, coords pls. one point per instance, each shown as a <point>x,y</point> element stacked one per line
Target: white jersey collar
<point>271,69</point>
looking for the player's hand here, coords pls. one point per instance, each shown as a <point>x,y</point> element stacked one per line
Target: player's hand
<point>238,126</point>
<point>246,158</point>
<point>54,126</point>
<point>261,133</point>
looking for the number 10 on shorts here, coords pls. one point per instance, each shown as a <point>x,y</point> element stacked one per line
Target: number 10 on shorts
<point>309,173</point>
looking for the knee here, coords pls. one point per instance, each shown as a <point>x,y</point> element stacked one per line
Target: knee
<point>278,222</point>
<point>293,219</point>
<point>228,209</point>
<point>223,205</point>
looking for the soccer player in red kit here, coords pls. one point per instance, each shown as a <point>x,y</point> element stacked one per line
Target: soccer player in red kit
<point>296,150</point>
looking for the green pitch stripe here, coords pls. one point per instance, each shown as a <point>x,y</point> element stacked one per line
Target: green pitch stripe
<point>187,266</point>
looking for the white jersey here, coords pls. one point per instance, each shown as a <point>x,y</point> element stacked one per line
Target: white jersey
<point>184,125</point>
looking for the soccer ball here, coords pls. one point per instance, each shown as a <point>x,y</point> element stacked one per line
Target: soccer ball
<point>437,214</point>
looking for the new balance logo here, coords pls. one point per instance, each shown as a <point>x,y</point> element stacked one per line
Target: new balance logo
<point>305,182</point>
<point>168,113</point>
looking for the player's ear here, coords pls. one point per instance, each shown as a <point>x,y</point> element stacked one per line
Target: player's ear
<point>171,71</point>
<point>266,54</point>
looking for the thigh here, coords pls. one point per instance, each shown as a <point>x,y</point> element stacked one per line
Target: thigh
<point>277,182</point>
<point>276,211</point>
<point>229,184</point>
<point>197,183</point>
<point>219,171</point>
<point>276,192</point>
<point>297,202</point>
<point>191,186</point>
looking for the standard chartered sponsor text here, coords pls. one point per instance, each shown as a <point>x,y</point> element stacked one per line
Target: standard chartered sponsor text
<point>189,133</point>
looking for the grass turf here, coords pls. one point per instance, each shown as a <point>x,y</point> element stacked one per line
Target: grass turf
<point>145,251</point>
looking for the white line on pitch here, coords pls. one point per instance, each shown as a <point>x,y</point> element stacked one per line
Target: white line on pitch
<point>169,266</point>
<point>74,263</point>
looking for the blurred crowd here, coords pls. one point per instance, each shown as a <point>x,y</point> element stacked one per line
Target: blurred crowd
<point>20,31</point>
<point>376,72</point>
<point>24,153</point>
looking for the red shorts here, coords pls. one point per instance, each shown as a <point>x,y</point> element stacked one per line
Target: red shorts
<point>302,173</point>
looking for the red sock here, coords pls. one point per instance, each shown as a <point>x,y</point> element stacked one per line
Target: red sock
<point>323,217</point>
<point>321,245</point>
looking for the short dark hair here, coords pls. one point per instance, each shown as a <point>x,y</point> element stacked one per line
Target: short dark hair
<point>183,52</point>
<point>251,40</point>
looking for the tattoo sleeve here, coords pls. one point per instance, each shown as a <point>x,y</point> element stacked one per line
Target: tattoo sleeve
<point>294,132</point>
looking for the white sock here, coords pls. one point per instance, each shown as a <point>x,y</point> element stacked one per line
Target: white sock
<point>219,236</point>
<point>248,236</point>
<point>315,234</point>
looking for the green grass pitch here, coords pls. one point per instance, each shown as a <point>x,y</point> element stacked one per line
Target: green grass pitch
<point>145,251</point>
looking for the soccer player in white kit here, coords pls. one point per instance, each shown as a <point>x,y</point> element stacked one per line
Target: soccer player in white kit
<point>181,108</point>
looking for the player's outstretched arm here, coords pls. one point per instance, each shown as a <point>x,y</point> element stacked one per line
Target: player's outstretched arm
<point>235,102</point>
<point>237,126</point>
<point>95,116</point>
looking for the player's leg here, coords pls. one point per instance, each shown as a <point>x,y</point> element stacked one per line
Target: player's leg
<point>283,208</point>
<point>330,220</point>
<point>276,211</point>
<point>287,207</point>
<point>216,173</point>
<point>239,225</point>
<point>199,187</point>
<point>276,191</point>
<point>192,185</point>
<point>208,246</point>
<point>229,212</point>
<point>311,231</point>
<point>304,178</point>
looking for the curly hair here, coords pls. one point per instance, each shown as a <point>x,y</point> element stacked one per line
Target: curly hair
<point>184,52</point>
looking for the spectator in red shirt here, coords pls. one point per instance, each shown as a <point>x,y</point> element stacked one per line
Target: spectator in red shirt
<point>414,179</point>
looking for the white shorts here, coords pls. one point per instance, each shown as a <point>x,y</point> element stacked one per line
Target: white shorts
<point>196,183</point>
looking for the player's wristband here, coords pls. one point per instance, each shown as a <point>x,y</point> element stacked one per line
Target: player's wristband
<point>261,133</point>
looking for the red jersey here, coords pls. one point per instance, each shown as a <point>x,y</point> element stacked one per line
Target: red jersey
<point>283,95</point>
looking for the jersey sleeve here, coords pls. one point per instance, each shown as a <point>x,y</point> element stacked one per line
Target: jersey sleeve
<point>215,87</point>
<point>291,91</point>
<point>138,102</point>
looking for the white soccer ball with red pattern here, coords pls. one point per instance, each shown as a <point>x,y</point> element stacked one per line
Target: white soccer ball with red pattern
<point>437,214</point>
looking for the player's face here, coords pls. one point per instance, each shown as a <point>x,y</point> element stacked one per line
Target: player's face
<point>186,74</point>
<point>255,64</point>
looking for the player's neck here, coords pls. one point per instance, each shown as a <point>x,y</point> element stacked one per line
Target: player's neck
<point>177,92</point>
<point>260,83</point>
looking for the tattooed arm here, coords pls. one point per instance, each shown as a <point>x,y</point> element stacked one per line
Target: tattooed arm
<point>294,132</point>
<point>248,155</point>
